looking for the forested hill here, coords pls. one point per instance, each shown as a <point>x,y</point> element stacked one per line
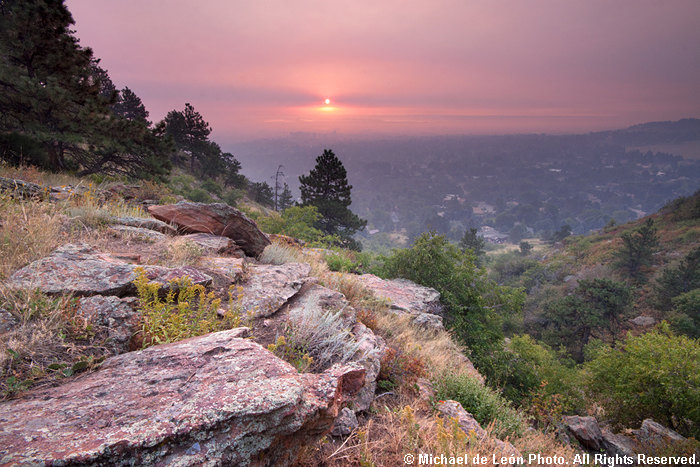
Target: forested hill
<point>519,184</point>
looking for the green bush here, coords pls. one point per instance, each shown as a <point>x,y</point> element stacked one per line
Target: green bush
<point>340,262</point>
<point>476,306</point>
<point>528,364</point>
<point>655,375</point>
<point>486,405</point>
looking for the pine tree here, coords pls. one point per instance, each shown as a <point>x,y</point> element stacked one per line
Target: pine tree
<point>286,199</point>
<point>54,96</point>
<point>190,132</point>
<point>327,188</point>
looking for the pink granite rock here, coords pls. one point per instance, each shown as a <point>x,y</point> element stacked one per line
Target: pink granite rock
<point>210,400</point>
<point>81,270</point>
<point>217,219</point>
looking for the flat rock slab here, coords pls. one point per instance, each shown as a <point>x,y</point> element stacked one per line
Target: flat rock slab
<point>81,270</point>
<point>145,223</point>
<point>138,232</point>
<point>215,244</point>
<point>210,400</point>
<point>217,219</point>
<point>404,295</point>
<point>231,268</point>
<point>269,286</point>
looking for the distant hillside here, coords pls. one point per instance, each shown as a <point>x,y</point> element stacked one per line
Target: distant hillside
<point>673,268</point>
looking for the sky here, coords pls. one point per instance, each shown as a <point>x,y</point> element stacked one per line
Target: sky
<point>264,68</point>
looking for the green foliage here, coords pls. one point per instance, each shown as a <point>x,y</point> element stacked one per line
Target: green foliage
<point>596,307</point>
<point>54,96</point>
<point>685,317</point>
<point>476,306</point>
<point>637,250</point>
<point>261,193</point>
<point>525,248</point>
<point>677,280</point>
<point>655,375</point>
<point>186,311</point>
<point>528,370</point>
<point>685,207</point>
<point>471,241</point>
<point>295,221</point>
<point>484,403</point>
<point>340,262</point>
<point>286,200</point>
<point>327,188</point>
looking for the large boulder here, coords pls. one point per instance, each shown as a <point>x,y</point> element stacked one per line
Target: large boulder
<point>269,286</point>
<point>81,270</point>
<point>231,268</point>
<point>217,219</point>
<point>146,235</point>
<point>586,431</point>
<point>210,400</point>
<point>215,244</point>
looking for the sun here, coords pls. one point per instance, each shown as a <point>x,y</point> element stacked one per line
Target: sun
<point>327,101</point>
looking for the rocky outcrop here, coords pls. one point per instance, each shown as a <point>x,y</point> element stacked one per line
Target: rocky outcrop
<point>268,287</point>
<point>115,317</point>
<point>422,303</point>
<point>211,244</point>
<point>345,424</point>
<point>649,438</point>
<point>216,219</point>
<point>453,410</point>
<point>643,321</point>
<point>231,268</point>
<point>144,223</point>
<point>210,400</point>
<point>81,270</point>
<point>318,300</point>
<point>655,435</point>
<point>138,232</point>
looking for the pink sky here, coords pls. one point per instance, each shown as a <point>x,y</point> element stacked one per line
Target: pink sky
<point>263,67</point>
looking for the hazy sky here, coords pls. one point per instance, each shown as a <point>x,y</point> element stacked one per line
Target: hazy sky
<point>264,67</point>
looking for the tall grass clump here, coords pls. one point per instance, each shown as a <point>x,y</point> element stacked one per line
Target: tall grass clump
<point>323,335</point>
<point>29,230</point>
<point>280,253</point>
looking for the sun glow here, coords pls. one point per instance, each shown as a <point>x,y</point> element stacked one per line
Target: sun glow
<point>327,101</point>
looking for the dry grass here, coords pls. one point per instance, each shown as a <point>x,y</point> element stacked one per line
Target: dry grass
<point>182,252</point>
<point>399,430</point>
<point>280,253</point>
<point>29,230</point>
<point>34,175</point>
<point>49,341</point>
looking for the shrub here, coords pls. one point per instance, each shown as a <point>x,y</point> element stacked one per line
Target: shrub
<point>476,306</point>
<point>322,335</point>
<point>189,312</point>
<point>484,403</point>
<point>655,375</point>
